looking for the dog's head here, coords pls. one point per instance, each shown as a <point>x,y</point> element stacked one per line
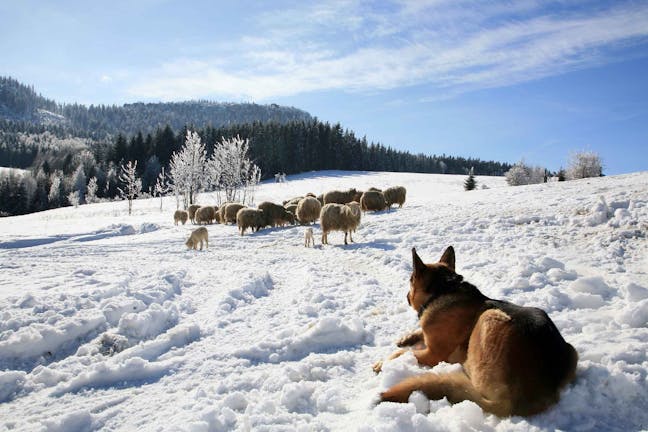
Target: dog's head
<point>431,279</point>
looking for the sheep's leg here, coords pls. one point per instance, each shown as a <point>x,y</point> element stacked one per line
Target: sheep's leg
<point>207,243</point>
<point>345,238</point>
<point>351,236</point>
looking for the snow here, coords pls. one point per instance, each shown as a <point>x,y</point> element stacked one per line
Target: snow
<point>108,322</point>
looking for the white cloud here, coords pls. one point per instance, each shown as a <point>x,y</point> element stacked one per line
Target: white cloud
<point>453,46</point>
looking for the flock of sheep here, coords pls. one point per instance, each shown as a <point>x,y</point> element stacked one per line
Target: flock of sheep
<point>336,211</point>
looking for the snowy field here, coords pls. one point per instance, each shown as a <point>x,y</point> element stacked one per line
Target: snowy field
<point>108,322</point>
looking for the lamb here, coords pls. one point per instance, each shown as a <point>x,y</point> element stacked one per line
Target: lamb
<point>250,218</point>
<point>373,201</point>
<point>395,195</point>
<point>308,210</point>
<point>340,217</point>
<point>192,212</point>
<point>229,214</point>
<point>198,235</point>
<point>308,237</point>
<point>342,197</point>
<point>276,215</point>
<point>180,216</point>
<point>205,215</point>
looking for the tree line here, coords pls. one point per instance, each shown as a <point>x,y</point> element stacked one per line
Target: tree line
<point>292,147</point>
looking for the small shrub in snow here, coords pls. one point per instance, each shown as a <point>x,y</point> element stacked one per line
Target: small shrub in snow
<point>523,174</point>
<point>132,183</point>
<point>584,165</point>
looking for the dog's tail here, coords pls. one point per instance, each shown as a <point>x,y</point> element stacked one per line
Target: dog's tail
<point>455,386</point>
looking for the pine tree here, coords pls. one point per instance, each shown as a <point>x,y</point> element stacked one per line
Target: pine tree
<point>470,182</point>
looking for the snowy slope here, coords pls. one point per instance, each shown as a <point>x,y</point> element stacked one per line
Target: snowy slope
<point>108,322</point>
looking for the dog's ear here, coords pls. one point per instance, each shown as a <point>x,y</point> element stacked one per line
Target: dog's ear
<point>448,258</point>
<point>417,264</point>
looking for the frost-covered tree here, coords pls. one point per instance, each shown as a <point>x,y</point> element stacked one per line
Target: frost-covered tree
<point>523,174</point>
<point>584,164</point>
<point>73,198</point>
<point>187,169</point>
<point>132,184</point>
<point>230,169</point>
<point>54,195</point>
<point>161,187</point>
<point>79,182</point>
<point>91,191</point>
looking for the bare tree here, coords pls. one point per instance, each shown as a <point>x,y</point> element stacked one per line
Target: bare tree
<point>132,183</point>
<point>584,164</point>
<point>161,186</point>
<point>187,169</point>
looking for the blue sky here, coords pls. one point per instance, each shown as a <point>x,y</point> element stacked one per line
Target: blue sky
<point>496,79</point>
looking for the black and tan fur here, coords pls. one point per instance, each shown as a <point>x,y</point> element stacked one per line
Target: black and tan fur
<point>515,362</point>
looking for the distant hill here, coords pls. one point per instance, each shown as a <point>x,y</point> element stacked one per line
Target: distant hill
<point>21,103</point>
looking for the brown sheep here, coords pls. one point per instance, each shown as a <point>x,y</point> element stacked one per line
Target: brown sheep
<point>292,208</point>
<point>293,200</point>
<point>395,195</point>
<point>180,216</point>
<point>250,218</point>
<point>342,197</point>
<point>373,189</point>
<point>310,194</point>
<point>230,212</point>
<point>308,210</point>
<point>373,201</point>
<point>340,217</point>
<point>192,212</point>
<point>197,236</point>
<point>276,215</point>
<point>205,215</point>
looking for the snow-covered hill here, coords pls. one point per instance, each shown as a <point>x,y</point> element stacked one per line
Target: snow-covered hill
<point>108,322</point>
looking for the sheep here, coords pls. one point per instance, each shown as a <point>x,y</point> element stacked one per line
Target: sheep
<point>292,208</point>
<point>250,218</point>
<point>320,198</point>
<point>192,212</point>
<point>395,195</point>
<point>293,200</point>
<point>276,214</point>
<point>340,217</point>
<point>342,197</point>
<point>205,215</point>
<point>308,210</point>
<point>180,216</point>
<point>229,214</point>
<point>198,235</point>
<point>308,237</point>
<point>372,200</point>
<point>310,194</point>
<point>374,189</point>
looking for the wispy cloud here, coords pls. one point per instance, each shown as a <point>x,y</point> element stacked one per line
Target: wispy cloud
<point>452,46</point>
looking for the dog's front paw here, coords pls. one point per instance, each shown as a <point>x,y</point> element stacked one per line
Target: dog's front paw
<point>410,339</point>
<point>377,367</point>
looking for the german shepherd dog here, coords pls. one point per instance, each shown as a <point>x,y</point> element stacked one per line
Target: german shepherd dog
<point>515,362</point>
